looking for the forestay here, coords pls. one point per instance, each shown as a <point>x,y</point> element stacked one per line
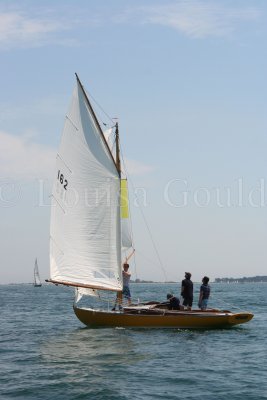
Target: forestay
<point>85,231</point>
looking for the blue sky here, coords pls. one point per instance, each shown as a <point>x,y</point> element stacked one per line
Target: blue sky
<point>187,80</point>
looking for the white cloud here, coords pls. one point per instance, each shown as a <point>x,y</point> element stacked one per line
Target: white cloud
<point>17,29</point>
<point>196,19</point>
<point>46,107</point>
<point>138,168</point>
<point>193,18</point>
<point>22,158</point>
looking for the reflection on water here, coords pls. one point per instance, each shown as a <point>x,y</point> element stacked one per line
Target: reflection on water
<point>96,345</point>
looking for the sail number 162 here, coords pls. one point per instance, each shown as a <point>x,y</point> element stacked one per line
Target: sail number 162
<point>62,180</point>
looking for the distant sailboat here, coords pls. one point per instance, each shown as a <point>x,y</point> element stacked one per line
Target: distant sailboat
<point>36,275</point>
<point>88,231</point>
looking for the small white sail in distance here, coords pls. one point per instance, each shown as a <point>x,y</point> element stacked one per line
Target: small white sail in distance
<point>85,228</point>
<point>36,275</point>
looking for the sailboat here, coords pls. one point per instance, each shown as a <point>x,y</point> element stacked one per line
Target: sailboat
<point>89,229</point>
<point>36,275</point>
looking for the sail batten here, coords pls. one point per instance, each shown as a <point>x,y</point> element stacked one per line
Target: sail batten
<point>85,229</point>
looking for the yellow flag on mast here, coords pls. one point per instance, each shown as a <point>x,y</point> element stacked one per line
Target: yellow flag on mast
<point>124,199</point>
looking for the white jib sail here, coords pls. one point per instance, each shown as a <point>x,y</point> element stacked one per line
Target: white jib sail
<point>85,230</point>
<point>80,292</point>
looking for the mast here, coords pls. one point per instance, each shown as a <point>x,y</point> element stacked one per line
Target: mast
<point>117,140</point>
<point>118,164</point>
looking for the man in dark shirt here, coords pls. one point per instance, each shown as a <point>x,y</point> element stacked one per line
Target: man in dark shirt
<point>204,294</point>
<point>187,291</point>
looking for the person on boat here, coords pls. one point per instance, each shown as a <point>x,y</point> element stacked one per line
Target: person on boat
<point>126,276</point>
<point>204,294</point>
<point>174,302</point>
<point>187,291</point>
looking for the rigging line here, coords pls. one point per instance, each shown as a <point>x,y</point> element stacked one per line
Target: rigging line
<point>153,242</point>
<point>147,258</point>
<point>217,298</point>
<point>98,105</point>
<point>146,223</point>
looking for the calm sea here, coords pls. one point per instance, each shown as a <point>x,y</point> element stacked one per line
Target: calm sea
<point>46,353</point>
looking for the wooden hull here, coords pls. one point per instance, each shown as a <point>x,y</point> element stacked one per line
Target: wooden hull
<point>171,319</point>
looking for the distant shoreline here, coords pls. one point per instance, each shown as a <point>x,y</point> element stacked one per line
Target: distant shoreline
<point>252,279</point>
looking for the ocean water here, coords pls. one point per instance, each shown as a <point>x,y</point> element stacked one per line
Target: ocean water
<point>46,353</point>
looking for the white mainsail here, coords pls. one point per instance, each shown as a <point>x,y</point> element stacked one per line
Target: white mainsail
<point>85,229</point>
